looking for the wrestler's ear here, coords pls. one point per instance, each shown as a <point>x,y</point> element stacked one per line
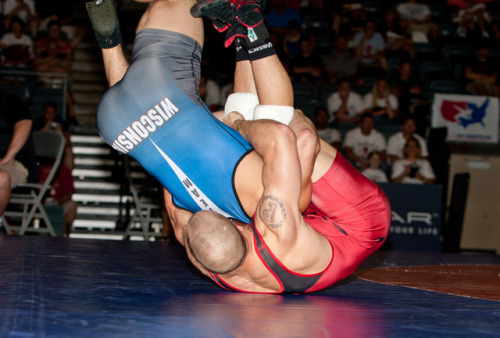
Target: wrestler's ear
<point>240,226</point>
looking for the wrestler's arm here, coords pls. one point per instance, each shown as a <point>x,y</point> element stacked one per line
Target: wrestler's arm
<point>268,78</point>
<point>278,210</point>
<point>178,217</point>
<point>115,64</point>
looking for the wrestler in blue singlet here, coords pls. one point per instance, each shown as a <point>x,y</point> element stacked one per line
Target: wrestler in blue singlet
<point>155,114</point>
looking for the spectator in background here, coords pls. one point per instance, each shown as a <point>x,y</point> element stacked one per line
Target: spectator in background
<point>17,152</point>
<point>413,168</point>
<point>398,40</point>
<point>473,20</point>
<point>405,85</point>
<point>381,103</point>
<point>17,47</point>
<point>329,135</point>
<point>63,184</point>
<point>481,74</point>
<point>279,16</point>
<point>61,192</point>
<point>50,120</point>
<point>53,54</point>
<point>363,140</point>
<point>353,19</point>
<point>369,50</point>
<point>373,171</point>
<point>344,105</point>
<point>294,4</point>
<point>340,62</point>
<point>63,11</point>
<point>291,41</point>
<point>418,18</point>
<point>396,143</point>
<point>306,66</point>
<point>314,8</point>
<point>23,9</point>
<point>218,69</point>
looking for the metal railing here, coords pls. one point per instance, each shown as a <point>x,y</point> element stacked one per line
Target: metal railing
<point>26,83</point>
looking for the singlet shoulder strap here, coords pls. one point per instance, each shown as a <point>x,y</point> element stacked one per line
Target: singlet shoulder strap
<point>292,282</point>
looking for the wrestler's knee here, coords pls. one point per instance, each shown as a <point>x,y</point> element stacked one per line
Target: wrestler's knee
<point>307,141</point>
<point>385,218</point>
<point>5,181</point>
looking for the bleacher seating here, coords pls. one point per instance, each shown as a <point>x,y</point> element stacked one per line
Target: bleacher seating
<point>444,86</point>
<point>439,12</point>
<point>304,90</point>
<point>434,70</point>
<point>318,25</point>
<point>458,53</point>
<point>33,92</point>
<point>307,105</point>
<point>324,91</point>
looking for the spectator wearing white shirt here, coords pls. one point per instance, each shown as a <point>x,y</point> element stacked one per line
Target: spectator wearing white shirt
<point>418,17</point>
<point>17,47</point>
<point>373,172</point>
<point>381,103</point>
<point>396,142</point>
<point>413,168</point>
<point>363,140</point>
<point>344,105</point>
<point>25,10</point>
<point>329,135</point>
<point>473,20</point>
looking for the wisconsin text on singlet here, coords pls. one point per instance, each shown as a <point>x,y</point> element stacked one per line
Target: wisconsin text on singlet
<point>140,129</point>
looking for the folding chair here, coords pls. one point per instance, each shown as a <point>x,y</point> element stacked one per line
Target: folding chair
<point>26,202</point>
<point>3,224</point>
<point>146,212</point>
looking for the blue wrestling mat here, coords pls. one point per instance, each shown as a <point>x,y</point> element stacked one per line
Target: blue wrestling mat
<point>56,287</point>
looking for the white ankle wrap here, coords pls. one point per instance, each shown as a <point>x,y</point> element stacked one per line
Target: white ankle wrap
<point>243,103</point>
<point>283,114</point>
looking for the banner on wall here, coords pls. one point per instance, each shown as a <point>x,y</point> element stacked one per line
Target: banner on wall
<point>468,118</point>
<point>416,216</point>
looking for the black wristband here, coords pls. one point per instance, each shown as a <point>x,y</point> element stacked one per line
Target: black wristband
<point>261,51</point>
<point>241,53</point>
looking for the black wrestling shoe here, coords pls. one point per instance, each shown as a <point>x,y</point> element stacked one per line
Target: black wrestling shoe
<point>228,10</point>
<point>241,19</point>
<point>105,23</point>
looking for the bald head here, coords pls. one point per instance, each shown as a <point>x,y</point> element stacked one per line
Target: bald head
<point>215,242</point>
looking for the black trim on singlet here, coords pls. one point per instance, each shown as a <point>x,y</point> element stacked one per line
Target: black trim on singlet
<point>291,282</point>
<point>221,283</point>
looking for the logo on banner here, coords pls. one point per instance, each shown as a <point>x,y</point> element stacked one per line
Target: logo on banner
<point>464,113</point>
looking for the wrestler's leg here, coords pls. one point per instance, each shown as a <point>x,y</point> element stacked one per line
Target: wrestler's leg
<point>272,82</point>
<point>171,15</point>
<point>270,73</point>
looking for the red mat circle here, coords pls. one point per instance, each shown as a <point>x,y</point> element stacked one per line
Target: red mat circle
<point>477,281</point>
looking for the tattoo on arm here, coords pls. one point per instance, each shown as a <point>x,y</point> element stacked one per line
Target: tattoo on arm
<point>272,212</point>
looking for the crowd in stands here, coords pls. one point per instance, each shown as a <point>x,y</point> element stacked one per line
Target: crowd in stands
<point>364,72</point>
<point>37,41</point>
<point>383,60</point>
<point>38,37</point>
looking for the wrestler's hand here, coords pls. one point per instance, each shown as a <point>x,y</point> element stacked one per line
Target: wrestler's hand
<point>232,119</point>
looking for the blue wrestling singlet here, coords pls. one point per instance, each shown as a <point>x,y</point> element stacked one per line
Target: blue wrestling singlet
<point>169,130</point>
